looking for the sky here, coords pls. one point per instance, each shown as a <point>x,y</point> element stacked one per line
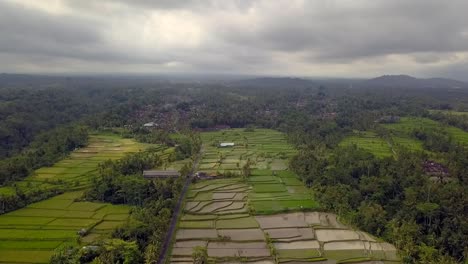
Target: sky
<point>312,38</point>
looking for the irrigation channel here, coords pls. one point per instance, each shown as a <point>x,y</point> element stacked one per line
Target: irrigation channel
<point>177,209</point>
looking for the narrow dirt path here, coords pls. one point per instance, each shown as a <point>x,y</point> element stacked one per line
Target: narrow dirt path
<point>177,210</point>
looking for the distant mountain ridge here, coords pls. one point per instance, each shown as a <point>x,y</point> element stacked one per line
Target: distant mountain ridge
<point>275,82</point>
<point>406,81</point>
<point>384,81</point>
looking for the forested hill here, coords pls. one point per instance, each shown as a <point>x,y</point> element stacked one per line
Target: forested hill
<point>406,81</point>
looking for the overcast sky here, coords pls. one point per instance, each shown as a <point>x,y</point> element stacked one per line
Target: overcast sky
<point>272,37</point>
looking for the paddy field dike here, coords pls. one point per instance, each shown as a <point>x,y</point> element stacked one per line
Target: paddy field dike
<point>31,234</point>
<point>268,217</point>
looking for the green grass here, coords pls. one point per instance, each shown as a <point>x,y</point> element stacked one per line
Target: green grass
<point>449,112</point>
<point>408,124</point>
<point>17,220</point>
<point>275,206</point>
<point>25,256</point>
<point>342,255</point>
<point>32,233</point>
<point>76,171</point>
<point>21,245</point>
<point>298,253</point>
<point>264,148</point>
<point>268,188</point>
<point>370,142</point>
<point>409,143</point>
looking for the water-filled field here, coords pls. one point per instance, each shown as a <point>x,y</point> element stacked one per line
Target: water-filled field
<point>268,217</point>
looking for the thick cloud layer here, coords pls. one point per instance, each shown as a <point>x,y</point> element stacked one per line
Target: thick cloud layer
<point>348,38</point>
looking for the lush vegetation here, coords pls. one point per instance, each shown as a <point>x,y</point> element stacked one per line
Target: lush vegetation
<point>140,238</point>
<point>368,172</point>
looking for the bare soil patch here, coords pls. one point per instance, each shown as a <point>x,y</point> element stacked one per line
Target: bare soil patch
<point>282,220</point>
<point>223,196</point>
<point>336,235</point>
<point>191,205</point>
<point>214,206</point>
<point>243,234</point>
<point>314,244</point>
<point>186,234</point>
<point>190,244</point>
<point>236,252</point>
<point>233,206</point>
<point>344,245</point>
<point>305,233</point>
<point>232,249</point>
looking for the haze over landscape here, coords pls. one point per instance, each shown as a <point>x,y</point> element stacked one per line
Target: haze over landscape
<point>299,38</point>
<point>233,131</point>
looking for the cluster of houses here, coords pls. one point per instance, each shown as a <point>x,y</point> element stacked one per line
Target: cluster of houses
<point>436,171</point>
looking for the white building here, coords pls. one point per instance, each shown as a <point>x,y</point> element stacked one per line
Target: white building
<point>226,144</point>
<point>150,124</point>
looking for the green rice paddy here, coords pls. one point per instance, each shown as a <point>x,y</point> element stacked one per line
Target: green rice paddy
<point>408,124</point>
<point>76,171</point>
<point>30,234</point>
<point>370,142</point>
<point>265,148</point>
<point>43,226</point>
<point>232,215</point>
<point>400,134</point>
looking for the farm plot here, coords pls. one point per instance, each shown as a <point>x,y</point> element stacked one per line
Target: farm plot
<point>32,233</point>
<point>264,148</point>
<point>408,124</point>
<point>370,142</point>
<point>77,170</point>
<point>43,226</point>
<point>244,220</point>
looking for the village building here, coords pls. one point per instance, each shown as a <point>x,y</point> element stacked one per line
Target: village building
<point>160,174</point>
<point>436,171</point>
<point>150,124</point>
<point>226,144</point>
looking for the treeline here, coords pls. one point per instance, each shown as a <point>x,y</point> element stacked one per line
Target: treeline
<point>141,238</point>
<point>186,143</point>
<point>393,198</point>
<point>25,113</point>
<point>45,150</point>
<point>460,121</point>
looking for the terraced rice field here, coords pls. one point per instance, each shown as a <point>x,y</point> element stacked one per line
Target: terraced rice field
<point>267,218</point>
<point>266,149</point>
<point>408,124</point>
<point>370,142</point>
<point>77,170</point>
<point>31,234</point>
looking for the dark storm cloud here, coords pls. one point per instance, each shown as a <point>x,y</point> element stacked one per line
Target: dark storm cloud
<point>331,32</point>
<point>25,31</point>
<point>237,35</point>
